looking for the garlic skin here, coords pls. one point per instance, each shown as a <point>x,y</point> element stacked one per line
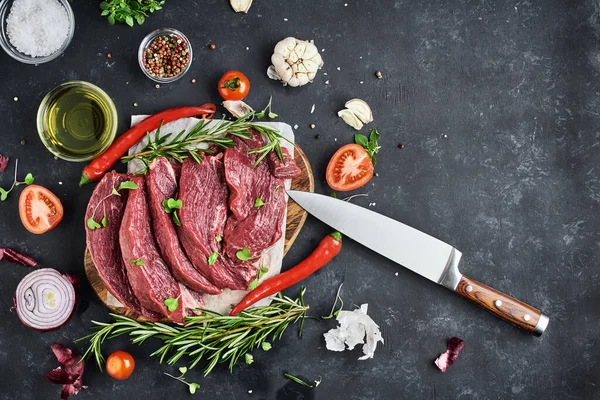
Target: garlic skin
<point>237,108</point>
<point>295,62</point>
<point>240,5</point>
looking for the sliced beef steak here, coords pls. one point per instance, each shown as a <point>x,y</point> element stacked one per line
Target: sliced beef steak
<point>204,194</point>
<point>284,169</point>
<point>149,276</point>
<point>162,185</point>
<point>103,243</point>
<point>256,228</point>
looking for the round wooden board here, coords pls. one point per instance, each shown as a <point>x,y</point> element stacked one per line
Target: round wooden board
<point>296,217</point>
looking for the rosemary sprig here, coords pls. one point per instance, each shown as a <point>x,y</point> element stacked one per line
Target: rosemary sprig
<point>184,145</point>
<point>212,337</point>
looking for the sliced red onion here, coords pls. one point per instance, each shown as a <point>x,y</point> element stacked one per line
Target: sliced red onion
<point>14,256</point>
<point>447,358</point>
<point>45,299</point>
<point>3,163</point>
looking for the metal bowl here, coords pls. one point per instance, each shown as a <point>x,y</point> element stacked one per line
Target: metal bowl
<point>146,43</point>
<point>5,6</point>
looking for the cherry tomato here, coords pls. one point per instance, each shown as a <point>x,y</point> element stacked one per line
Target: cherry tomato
<point>40,210</point>
<point>120,365</point>
<point>234,85</point>
<point>349,168</point>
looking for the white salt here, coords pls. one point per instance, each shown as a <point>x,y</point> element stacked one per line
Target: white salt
<point>37,28</point>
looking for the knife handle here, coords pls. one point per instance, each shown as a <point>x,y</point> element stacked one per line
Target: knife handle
<point>512,310</point>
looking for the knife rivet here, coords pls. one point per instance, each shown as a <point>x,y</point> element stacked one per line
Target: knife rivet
<point>527,317</point>
<point>469,288</point>
<point>498,303</point>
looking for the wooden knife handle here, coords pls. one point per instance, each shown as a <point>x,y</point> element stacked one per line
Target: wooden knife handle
<point>512,310</point>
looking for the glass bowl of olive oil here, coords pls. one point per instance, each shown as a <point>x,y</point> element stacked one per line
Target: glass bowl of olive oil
<point>77,121</point>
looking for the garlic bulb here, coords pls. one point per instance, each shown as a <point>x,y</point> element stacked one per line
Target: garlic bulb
<point>237,108</point>
<point>356,114</point>
<point>240,5</point>
<point>295,62</point>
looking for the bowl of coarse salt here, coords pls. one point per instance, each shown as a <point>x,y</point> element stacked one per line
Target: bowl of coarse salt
<point>35,31</point>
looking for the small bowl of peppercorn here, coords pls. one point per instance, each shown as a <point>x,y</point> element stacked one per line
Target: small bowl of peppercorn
<point>165,55</point>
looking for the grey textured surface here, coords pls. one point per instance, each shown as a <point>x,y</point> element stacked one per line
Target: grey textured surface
<point>497,104</point>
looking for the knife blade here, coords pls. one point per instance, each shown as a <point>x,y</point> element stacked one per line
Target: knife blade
<point>421,253</point>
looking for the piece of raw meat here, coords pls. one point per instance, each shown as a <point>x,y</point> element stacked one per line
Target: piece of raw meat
<point>162,185</point>
<point>284,169</point>
<point>103,243</point>
<point>149,276</point>
<point>256,227</point>
<point>204,195</point>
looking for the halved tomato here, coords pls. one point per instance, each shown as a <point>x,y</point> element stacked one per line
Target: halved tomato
<point>349,168</point>
<point>40,210</point>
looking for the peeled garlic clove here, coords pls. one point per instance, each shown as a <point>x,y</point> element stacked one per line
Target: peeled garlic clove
<point>240,5</point>
<point>237,108</point>
<point>350,118</point>
<point>361,109</point>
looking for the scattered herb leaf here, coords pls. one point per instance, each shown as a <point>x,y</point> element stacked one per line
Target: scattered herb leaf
<point>138,262</point>
<point>262,271</point>
<point>192,387</point>
<point>278,187</point>
<point>29,179</point>
<point>258,202</point>
<point>266,346</point>
<point>183,370</point>
<point>92,224</point>
<point>272,115</point>
<point>244,254</point>
<point>128,185</point>
<point>248,358</point>
<point>174,204</point>
<point>212,259</point>
<point>218,238</point>
<point>3,194</point>
<point>370,144</point>
<point>298,380</point>
<point>172,304</point>
<point>253,285</point>
<point>115,192</point>
<point>104,221</point>
<point>176,218</point>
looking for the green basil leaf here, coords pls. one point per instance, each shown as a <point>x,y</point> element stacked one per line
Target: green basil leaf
<point>104,5</point>
<point>361,140</point>
<point>129,20</point>
<point>111,19</point>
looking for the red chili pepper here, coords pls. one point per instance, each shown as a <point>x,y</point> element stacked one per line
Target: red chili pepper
<point>329,247</point>
<point>101,164</point>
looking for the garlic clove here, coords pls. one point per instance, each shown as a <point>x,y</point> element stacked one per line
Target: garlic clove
<point>285,47</point>
<point>311,51</point>
<point>361,109</point>
<point>238,108</point>
<point>271,73</point>
<point>311,76</point>
<point>350,118</point>
<point>293,58</point>
<point>240,5</point>
<point>311,66</point>
<point>302,78</point>
<point>285,72</point>
<point>300,48</point>
<point>301,68</point>
<point>277,59</point>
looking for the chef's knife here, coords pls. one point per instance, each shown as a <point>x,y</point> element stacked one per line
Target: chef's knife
<point>419,252</point>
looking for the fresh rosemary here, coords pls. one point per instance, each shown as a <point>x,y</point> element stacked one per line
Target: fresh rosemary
<point>212,337</point>
<point>184,145</point>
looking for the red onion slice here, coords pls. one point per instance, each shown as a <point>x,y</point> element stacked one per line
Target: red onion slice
<point>45,299</point>
<point>14,256</point>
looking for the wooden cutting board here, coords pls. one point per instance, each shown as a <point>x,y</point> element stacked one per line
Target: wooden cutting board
<point>296,217</point>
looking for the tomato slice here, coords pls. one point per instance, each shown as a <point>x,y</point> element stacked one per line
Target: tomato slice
<point>234,85</point>
<point>349,168</point>
<point>40,210</point>
<point>120,365</point>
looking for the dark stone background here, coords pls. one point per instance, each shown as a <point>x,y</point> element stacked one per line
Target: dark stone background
<point>497,104</point>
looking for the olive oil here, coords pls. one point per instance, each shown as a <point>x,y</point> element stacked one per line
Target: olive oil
<point>79,121</point>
